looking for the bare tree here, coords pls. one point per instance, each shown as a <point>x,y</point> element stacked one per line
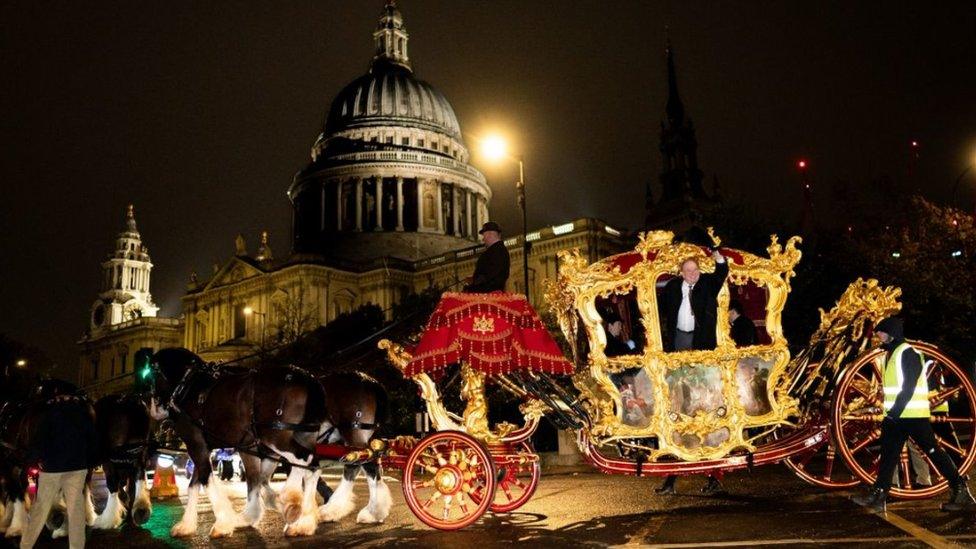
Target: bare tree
<point>294,315</point>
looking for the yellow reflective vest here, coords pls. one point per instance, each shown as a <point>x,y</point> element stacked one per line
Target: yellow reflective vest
<point>918,405</point>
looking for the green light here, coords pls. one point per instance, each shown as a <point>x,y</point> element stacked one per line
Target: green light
<point>146,372</point>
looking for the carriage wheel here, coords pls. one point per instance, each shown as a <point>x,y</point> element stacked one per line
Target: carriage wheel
<point>821,466</point>
<point>858,411</point>
<point>449,480</point>
<point>517,480</point>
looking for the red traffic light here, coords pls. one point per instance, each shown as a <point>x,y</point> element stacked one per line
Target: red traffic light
<point>802,164</point>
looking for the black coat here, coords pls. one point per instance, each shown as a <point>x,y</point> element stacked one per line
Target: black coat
<point>65,439</point>
<point>491,270</point>
<point>704,305</point>
<point>743,332</point>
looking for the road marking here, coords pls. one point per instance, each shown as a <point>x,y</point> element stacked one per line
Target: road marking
<point>793,541</point>
<point>928,537</point>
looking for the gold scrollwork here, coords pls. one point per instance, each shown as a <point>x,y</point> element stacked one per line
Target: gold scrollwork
<point>575,293</point>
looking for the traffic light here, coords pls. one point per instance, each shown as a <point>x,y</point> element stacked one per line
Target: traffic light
<point>143,370</point>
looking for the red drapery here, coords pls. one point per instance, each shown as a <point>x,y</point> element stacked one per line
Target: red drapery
<point>494,333</point>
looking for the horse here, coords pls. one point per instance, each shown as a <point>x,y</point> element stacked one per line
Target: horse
<point>18,421</point>
<point>269,414</point>
<point>124,427</point>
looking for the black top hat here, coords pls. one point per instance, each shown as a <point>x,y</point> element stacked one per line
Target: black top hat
<point>490,226</point>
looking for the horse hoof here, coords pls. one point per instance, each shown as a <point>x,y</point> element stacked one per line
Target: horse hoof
<point>366,516</point>
<point>221,531</point>
<point>181,530</point>
<point>141,516</point>
<point>304,526</point>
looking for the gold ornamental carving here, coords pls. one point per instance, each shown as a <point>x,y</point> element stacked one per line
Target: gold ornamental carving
<point>573,298</point>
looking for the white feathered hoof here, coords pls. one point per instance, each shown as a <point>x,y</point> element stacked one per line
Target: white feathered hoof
<point>291,505</point>
<point>141,515</point>
<point>61,532</point>
<point>222,529</point>
<point>183,529</point>
<point>111,516</point>
<point>304,526</point>
<point>56,518</point>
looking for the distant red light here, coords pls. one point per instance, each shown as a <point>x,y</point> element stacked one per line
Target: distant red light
<point>802,164</point>
<point>914,143</point>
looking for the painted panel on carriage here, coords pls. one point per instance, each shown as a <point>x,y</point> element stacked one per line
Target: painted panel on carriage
<point>636,396</point>
<point>697,389</point>
<point>752,379</point>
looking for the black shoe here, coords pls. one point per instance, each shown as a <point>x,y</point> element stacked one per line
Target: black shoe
<point>874,500</point>
<point>712,487</point>
<point>667,487</point>
<point>959,497</point>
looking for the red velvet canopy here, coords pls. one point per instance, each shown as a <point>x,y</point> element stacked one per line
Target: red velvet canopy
<point>494,333</point>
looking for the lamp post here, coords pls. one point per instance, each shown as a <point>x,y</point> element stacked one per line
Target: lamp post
<point>495,148</point>
<point>248,311</point>
<point>955,188</point>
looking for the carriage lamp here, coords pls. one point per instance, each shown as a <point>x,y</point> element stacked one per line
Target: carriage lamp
<point>164,460</point>
<point>21,363</point>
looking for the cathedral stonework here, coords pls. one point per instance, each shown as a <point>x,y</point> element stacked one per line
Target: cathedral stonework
<point>389,174</point>
<point>387,206</point>
<point>123,319</point>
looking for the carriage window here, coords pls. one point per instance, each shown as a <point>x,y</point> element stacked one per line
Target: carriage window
<point>621,324</point>
<point>747,314</point>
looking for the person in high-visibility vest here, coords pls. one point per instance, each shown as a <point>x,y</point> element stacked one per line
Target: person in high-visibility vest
<point>907,414</point>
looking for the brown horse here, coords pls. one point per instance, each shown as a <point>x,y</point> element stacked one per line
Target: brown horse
<point>270,414</point>
<point>124,428</point>
<point>19,419</point>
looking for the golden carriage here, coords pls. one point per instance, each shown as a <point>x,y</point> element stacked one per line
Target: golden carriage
<point>654,412</point>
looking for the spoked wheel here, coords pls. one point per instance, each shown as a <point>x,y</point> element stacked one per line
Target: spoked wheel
<point>518,478</point>
<point>821,466</point>
<point>858,411</point>
<point>449,480</point>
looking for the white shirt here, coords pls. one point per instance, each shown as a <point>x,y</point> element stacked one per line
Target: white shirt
<point>686,318</point>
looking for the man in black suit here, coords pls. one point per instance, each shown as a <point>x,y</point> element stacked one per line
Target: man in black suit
<point>689,306</point>
<point>743,329</point>
<point>689,312</point>
<point>491,270</point>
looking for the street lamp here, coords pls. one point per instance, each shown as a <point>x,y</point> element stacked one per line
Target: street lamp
<point>21,363</point>
<point>495,148</point>
<point>248,311</point>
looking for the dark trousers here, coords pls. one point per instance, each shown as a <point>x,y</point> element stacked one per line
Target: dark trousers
<point>893,437</point>
<point>227,470</point>
<point>683,341</point>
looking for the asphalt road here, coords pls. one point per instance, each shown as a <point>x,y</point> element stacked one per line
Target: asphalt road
<point>766,507</point>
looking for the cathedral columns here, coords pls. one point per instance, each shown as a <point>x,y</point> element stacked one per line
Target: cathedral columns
<point>439,197</point>
<point>467,213</point>
<point>379,203</point>
<point>339,204</point>
<point>399,225</point>
<point>455,210</point>
<point>359,204</point>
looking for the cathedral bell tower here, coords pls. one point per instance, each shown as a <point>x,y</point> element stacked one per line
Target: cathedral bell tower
<point>683,198</point>
<point>125,285</point>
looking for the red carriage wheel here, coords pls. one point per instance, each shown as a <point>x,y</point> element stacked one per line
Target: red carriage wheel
<point>858,410</point>
<point>518,478</point>
<point>449,480</point>
<point>823,467</point>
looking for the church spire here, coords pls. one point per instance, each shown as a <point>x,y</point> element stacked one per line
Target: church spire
<point>675,109</point>
<point>130,220</point>
<point>391,38</point>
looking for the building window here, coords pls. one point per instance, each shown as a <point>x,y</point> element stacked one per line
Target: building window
<point>420,142</point>
<point>389,140</point>
<point>94,368</point>
<point>405,141</point>
<point>240,321</point>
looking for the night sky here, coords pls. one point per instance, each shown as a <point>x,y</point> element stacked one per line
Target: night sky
<point>200,113</point>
